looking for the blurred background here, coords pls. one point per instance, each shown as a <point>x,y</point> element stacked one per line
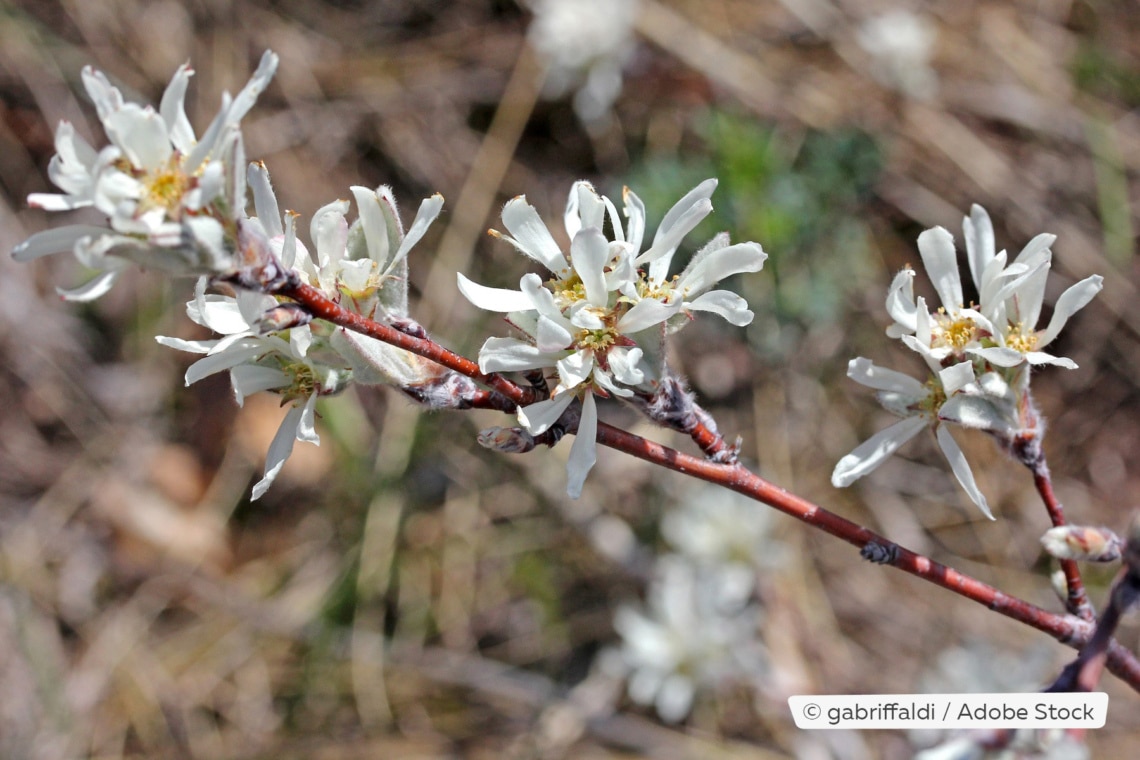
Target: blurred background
<point>401,592</point>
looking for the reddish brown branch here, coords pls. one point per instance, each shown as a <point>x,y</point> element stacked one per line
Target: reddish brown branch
<point>322,307</point>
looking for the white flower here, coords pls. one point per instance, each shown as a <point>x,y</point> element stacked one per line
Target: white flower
<point>726,534</point>
<point>1001,329</point>
<point>260,363</point>
<point>586,44</point>
<point>945,398</point>
<point>600,321</point>
<point>901,43</point>
<point>168,194</point>
<point>683,642</point>
<point>362,266</point>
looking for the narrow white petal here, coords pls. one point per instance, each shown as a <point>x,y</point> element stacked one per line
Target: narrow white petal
<point>865,372</point>
<point>190,346</point>
<point>961,469</point>
<point>248,379</point>
<point>1037,358</point>
<point>427,213</point>
<point>530,235</point>
<point>493,299</point>
<point>694,197</point>
<point>667,239</point>
<point>279,451</point>
<point>373,223</point>
<point>705,272</point>
<point>264,200</point>
<point>646,313</point>
<point>329,231</point>
<point>172,108</point>
<point>141,134</point>
<point>998,356</point>
<point>539,416</point>
<point>589,253</point>
<point>583,454</point>
<point>874,451</point>
<point>1071,301</point>
<point>90,290</point>
<point>635,214</point>
<point>512,355</point>
<point>900,300</point>
<point>975,412</point>
<point>978,231</point>
<point>936,246</point>
<point>58,240</point>
<point>222,361</point>
<point>726,304</point>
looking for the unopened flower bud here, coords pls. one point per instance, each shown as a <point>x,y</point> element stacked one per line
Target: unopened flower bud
<point>506,440</point>
<point>282,317</point>
<point>1082,543</point>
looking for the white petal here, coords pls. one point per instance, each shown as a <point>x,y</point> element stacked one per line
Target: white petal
<point>248,379</point>
<point>141,134</point>
<point>190,346</point>
<point>956,377</point>
<point>58,240</point>
<point>264,200</point>
<point>975,412</point>
<point>865,372</point>
<point>646,313</point>
<point>292,428</point>
<point>550,336</point>
<point>874,451</point>
<point>511,355</point>
<point>329,231</point>
<point>635,213</point>
<point>1037,358</point>
<point>998,356</point>
<point>936,246</point>
<point>530,236</point>
<point>961,469</point>
<point>978,231</point>
<point>675,699</point>
<point>705,272</point>
<point>583,454</point>
<point>667,239</point>
<point>1071,301</point>
<point>172,108</point>
<point>92,289</point>
<point>623,364</point>
<point>574,369</point>
<point>493,299</point>
<point>589,254</point>
<point>222,361</point>
<point>427,213</point>
<point>373,223</point>
<point>726,304</point>
<point>539,416</point>
<point>900,300</point>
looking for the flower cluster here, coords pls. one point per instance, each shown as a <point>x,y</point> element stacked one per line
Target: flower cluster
<point>267,347</point>
<point>600,321</point>
<point>979,356</point>
<point>173,200</point>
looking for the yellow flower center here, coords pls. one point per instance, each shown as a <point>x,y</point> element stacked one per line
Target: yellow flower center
<point>1020,339</point>
<point>165,187</point>
<point>954,332</point>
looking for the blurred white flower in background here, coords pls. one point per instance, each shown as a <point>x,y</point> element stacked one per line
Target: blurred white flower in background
<point>901,43</point>
<point>586,45</point>
<point>684,641</point>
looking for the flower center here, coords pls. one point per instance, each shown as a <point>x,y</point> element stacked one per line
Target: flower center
<point>165,187</point>
<point>1020,339</point>
<point>955,332</point>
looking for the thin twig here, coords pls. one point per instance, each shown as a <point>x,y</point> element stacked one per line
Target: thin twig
<point>1078,600</point>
